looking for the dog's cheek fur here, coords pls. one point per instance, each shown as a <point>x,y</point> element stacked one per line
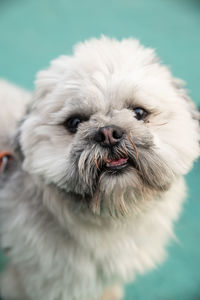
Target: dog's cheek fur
<point>177,142</point>
<point>45,149</point>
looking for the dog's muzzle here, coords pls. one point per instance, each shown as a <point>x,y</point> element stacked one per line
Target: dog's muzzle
<point>110,137</point>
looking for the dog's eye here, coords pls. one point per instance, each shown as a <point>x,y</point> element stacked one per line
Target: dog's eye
<point>140,113</point>
<point>72,123</point>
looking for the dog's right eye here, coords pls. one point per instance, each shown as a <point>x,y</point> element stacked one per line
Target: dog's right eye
<point>72,123</point>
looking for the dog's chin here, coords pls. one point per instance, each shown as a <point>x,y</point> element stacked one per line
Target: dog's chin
<point>117,191</point>
<point>114,181</point>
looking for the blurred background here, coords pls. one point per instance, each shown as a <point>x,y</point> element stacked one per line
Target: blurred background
<point>32,32</point>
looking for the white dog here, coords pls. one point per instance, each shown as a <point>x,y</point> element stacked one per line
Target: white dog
<point>97,180</point>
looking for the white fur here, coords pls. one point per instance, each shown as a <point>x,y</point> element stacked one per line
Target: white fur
<point>13,102</point>
<point>58,254</point>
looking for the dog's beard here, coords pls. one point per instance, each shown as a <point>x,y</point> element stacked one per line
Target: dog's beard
<point>105,189</point>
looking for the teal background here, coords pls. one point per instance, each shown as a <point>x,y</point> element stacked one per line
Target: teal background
<point>32,32</point>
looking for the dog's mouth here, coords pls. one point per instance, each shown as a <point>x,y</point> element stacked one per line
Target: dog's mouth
<point>116,164</point>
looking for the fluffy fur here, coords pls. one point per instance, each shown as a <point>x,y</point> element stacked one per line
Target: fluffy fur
<point>13,101</point>
<point>70,227</point>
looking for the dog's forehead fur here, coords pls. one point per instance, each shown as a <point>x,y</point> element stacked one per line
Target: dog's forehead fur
<point>106,74</point>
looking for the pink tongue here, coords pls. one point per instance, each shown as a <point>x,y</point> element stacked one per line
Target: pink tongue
<point>118,162</point>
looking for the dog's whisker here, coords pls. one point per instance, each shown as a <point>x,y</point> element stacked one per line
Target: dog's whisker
<point>134,147</point>
<point>96,163</point>
<point>101,161</point>
<point>161,124</point>
<point>96,204</point>
<point>125,149</point>
<point>121,152</point>
<point>123,205</point>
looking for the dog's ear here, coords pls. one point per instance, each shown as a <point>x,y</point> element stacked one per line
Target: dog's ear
<point>180,88</point>
<point>46,80</point>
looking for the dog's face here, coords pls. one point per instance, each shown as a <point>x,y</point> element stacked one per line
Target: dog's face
<point>109,121</point>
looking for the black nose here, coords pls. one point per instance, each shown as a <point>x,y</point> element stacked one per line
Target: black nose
<point>109,135</point>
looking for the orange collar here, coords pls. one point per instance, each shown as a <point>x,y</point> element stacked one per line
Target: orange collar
<point>4,156</point>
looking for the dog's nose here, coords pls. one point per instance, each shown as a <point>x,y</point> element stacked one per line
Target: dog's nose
<point>109,135</point>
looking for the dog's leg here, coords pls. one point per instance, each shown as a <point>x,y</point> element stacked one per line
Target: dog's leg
<point>114,292</point>
<point>10,286</point>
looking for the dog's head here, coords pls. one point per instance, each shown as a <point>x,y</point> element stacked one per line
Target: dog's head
<point>109,121</point>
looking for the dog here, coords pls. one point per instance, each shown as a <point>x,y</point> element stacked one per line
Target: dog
<point>100,151</point>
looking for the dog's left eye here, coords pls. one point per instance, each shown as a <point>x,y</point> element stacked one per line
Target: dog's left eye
<point>72,124</point>
<point>140,113</point>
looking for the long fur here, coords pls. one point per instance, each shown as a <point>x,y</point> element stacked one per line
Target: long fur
<point>13,103</point>
<point>71,228</point>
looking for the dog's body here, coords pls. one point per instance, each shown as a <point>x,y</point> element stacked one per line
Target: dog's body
<point>73,222</point>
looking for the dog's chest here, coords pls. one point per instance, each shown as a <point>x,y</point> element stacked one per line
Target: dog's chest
<point>93,258</point>
<point>85,268</point>
<point>73,270</point>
